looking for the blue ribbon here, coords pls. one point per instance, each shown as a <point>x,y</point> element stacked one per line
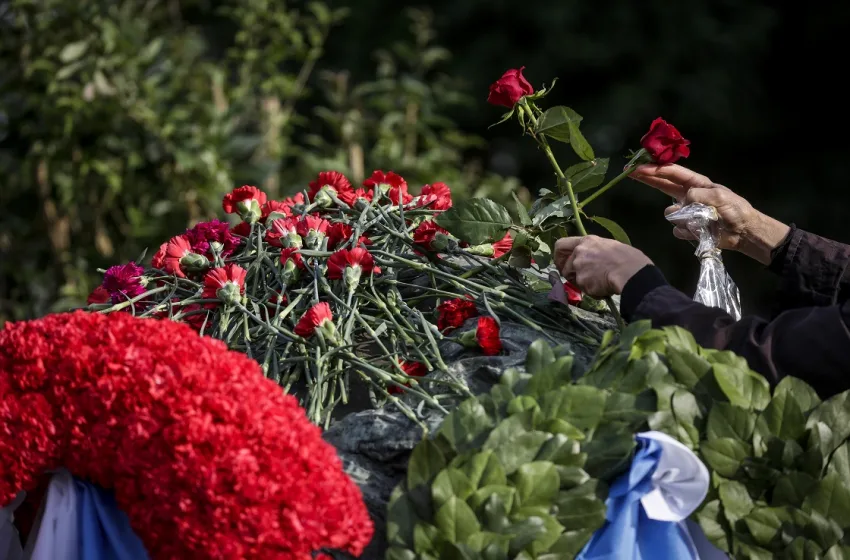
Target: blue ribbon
<point>105,532</point>
<point>628,534</point>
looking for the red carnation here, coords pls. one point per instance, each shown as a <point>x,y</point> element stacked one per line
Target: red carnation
<point>149,409</point>
<point>395,186</point>
<point>340,233</point>
<point>425,235</point>
<point>292,254</point>
<point>245,201</point>
<point>487,336</point>
<point>158,259</point>
<point>98,295</point>
<point>176,248</point>
<point>350,258</point>
<point>332,180</point>
<point>242,229</point>
<point>311,223</point>
<point>412,369</point>
<point>664,143</point>
<point>351,197</point>
<point>226,283</point>
<point>315,317</point>
<point>435,197</point>
<point>124,281</point>
<point>573,293</point>
<point>453,313</point>
<point>282,232</point>
<point>502,246</point>
<point>214,231</point>
<point>281,208</point>
<point>509,89</point>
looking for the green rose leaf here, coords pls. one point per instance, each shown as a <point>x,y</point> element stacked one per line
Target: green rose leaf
<point>736,500</point>
<point>521,211</point>
<point>555,123</point>
<point>456,520</point>
<point>476,220</point>
<point>579,143</point>
<point>465,423</point>
<point>537,483</point>
<point>729,421</point>
<point>504,494</point>
<point>831,498</point>
<point>725,455</point>
<point>616,231</point>
<point>520,450</point>
<point>426,462</point>
<point>534,534</point>
<point>580,405</point>
<point>425,538</point>
<point>587,174</point>
<point>485,539</point>
<point>680,339</point>
<point>741,386</point>
<point>687,367</point>
<point>449,483</point>
<point>792,488</point>
<point>764,523</point>
<point>560,208</point>
<point>835,414</point>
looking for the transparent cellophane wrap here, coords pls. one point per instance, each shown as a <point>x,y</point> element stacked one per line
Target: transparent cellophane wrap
<point>715,287</point>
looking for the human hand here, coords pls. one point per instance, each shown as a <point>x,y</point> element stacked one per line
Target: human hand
<point>599,267</point>
<point>743,228</point>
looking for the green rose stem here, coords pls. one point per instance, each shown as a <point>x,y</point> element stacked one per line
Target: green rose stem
<point>599,192</point>
<point>563,182</point>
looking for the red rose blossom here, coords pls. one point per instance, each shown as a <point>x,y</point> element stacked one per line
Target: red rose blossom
<point>502,246</point>
<point>345,258</point>
<point>453,313</point>
<point>425,233</point>
<point>315,317</point>
<point>124,281</point>
<point>243,194</point>
<point>208,459</point>
<point>509,89</point>
<point>664,143</point>
<point>573,293</point>
<point>98,295</point>
<point>333,180</point>
<point>225,282</point>
<point>487,336</point>
<point>437,196</point>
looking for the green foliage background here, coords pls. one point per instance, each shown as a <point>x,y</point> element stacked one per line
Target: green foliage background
<point>123,121</point>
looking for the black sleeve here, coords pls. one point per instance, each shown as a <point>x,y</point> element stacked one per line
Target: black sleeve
<point>812,343</point>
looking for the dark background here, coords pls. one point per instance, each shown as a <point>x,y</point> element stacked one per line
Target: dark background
<point>756,86</point>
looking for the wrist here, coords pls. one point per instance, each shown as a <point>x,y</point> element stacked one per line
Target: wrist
<point>622,274</point>
<point>762,237</point>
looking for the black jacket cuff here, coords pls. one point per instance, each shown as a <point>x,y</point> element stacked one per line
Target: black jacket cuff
<point>644,281</point>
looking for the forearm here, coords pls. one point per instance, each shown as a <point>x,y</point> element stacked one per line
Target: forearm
<point>761,236</point>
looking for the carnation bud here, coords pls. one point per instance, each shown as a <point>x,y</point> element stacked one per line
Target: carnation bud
<point>216,247</point>
<point>193,262</point>
<point>313,240</point>
<point>293,240</point>
<point>328,330</point>
<point>323,198</point>
<point>484,250</point>
<point>392,300</point>
<point>291,273</point>
<point>249,210</point>
<point>440,242</point>
<point>275,216</point>
<point>230,293</point>
<point>352,276</point>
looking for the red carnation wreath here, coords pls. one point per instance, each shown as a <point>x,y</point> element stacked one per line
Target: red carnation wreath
<point>208,459</point>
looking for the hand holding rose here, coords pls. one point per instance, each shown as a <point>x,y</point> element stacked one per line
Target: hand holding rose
<point>600,267</point>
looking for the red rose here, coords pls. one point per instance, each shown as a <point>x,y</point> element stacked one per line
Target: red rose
<point>509,89</point>
<point>453,313</point>
<point>573,293</point>
<point>664,143</point>
<point>487,336</point>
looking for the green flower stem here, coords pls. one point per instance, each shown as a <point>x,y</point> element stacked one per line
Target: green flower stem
<point>564,183</point>
<point>280,331</point>
<point>388,378</point>
<point>130,302</point>
<point>599,192</point>
<point>486,266</point>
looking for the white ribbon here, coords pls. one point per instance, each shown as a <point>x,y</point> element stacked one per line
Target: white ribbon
<point>680,485</point>
<point>56,533</point>
<point>10,541</point>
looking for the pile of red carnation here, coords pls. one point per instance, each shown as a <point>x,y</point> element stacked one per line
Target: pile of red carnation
<point>208,458</point>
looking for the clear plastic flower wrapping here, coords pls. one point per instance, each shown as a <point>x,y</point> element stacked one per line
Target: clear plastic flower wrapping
<point>715,287</point>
